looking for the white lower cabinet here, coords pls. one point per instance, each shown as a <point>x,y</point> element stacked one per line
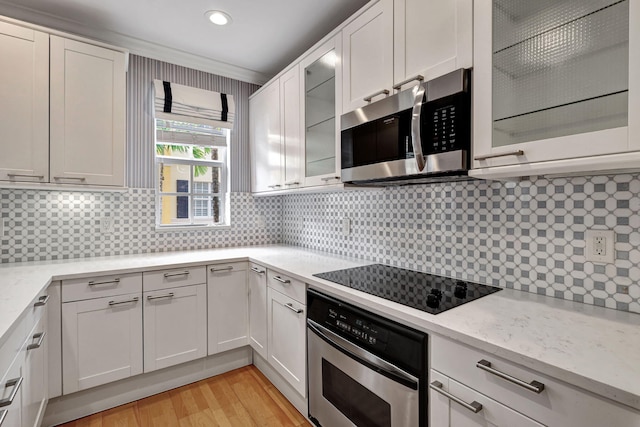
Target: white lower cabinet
<point>287,338</point>
<point>464,407</point>
<point>228,306</point>
<point>35,384</point>
<point>101,341</point>
<point>175,326</point>
<point>12,401</point>
<point>258,309</point>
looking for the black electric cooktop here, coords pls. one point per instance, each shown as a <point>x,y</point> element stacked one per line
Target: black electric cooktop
<point>426,292</point>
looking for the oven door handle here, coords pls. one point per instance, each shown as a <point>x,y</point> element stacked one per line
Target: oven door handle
<point>362,356</point>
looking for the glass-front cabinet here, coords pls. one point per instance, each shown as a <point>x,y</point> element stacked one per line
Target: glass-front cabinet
<point>553,80</point>
<point>321,88</point>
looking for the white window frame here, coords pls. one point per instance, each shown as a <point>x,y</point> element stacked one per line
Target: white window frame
<point>223,194</point>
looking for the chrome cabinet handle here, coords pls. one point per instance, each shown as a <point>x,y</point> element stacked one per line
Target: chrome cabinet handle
<point>534,386</point>
<point>281,280</point>
<point>15,383</point>
<point>183,273</point>
<point>109,282</point>
<point>257,270</point>
<point>380,92</point>
<point>22,175</point>
<point>292,183</point>
<point>416,141</point>
<point>112,303</point>
<point>74,178</point>
<point>505,154</point>
<point>292,308</point>
<point>217,270</point>
<point>274,186</point>
<point>330,178</point>
<point>151,298</point>
<point>3,415</point>
<point>42,301</point>
<point>39,335</point>
<point>474,406</point>
<point>409,80</point>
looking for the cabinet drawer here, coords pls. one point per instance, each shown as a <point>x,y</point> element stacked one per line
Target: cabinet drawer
<point>176,277</point>
<point>36,309</point>
<point>11,347</point>
<point>226,268</point>
<point>287,285</point>
<point>101,286</point>
<point>557,404</point>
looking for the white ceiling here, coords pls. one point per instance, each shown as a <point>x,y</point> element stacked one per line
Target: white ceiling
<point>264,37</point>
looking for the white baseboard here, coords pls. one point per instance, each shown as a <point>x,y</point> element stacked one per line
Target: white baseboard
<point>81,404</point>
<point>298,401</point>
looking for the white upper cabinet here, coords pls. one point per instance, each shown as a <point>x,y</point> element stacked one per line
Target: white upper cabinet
<point>24,110</point>
<point>367,55</point>
<point>554,87</point>
<point>321,89</point>
<point>431,38</point>
<point>290,126</point>
<point>265,139</point>
<point>88,91</point>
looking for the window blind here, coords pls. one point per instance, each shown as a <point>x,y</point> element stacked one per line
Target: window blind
<point>184,103</point>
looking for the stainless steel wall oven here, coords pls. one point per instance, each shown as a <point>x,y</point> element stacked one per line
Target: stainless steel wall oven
<point>363,370</point>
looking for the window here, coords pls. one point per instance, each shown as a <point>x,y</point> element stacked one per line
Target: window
<point>191,174</point>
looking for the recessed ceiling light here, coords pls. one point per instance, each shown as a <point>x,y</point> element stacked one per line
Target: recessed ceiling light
<point>218,17</point>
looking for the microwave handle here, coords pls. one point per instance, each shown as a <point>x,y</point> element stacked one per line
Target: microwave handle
<point>415,126</point>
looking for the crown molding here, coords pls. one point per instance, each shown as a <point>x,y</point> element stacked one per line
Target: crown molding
<point>134,45</point>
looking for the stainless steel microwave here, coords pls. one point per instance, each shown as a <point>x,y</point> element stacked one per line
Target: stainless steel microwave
<point>422,134</point>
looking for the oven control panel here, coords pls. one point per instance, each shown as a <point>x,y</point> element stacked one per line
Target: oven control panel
<point>362,330</point>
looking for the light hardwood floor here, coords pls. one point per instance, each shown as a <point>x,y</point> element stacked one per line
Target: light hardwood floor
<point>243,397</point>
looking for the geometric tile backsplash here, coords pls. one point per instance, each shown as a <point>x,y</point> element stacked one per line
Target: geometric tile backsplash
<point>527,235</point>
<point>49,225</point>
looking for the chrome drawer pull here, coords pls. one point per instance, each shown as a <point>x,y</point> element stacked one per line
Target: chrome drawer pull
<point>474,406</point>
<point>257,270</point>
<point>112,303</point>
<point>380,92</point>
<point>39,335</point>
<point>22,175</point>
<point>151,298</point>
<point>534,386</point>
<point>3,415</point>
<point>505,154</point>
<point>274,186</point>
<point>409,80</point>
<point>42,301</point>
<point>292,183</point>
<point>183,273</point>
<point>281,280</point>
<point>109,282</point>
<point>330,178</point>
<point>295,310</point>
<point>216,270</point>
<point>75,178</point>
<point>15,383</point>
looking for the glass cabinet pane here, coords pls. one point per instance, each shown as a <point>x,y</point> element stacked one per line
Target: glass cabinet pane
<point>559,68</point>
<point>320,116</point>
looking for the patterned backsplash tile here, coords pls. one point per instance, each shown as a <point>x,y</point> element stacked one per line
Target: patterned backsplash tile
<point>528,235</point>
<point>48,225</point>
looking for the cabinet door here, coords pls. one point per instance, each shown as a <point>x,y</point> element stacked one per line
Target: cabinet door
<point>87,114</point>
<point>175,326</point>
<point>290,125</point>
<point>431,37</point>
<point>368,55</point>
<point>24,110</point>
<point>537,101</point>
<point>447,413</point>
<point>258,309</point>
<point>321,87</point>
<point>265,138</point>
<point>287,339</point>
<point>101,341</point>
<point>13,416</point>
<point>35,386</point>
<point>228,307</point>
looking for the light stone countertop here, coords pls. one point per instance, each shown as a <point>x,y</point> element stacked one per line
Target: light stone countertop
<point>594,348</point>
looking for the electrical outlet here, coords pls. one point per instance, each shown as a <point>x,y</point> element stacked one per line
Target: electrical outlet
<point>106,225</point>
<point>346,226</point>
<point>600,246</point>
<point>3,228</point>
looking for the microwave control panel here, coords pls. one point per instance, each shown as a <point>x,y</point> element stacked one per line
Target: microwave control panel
<point>445,124</point>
